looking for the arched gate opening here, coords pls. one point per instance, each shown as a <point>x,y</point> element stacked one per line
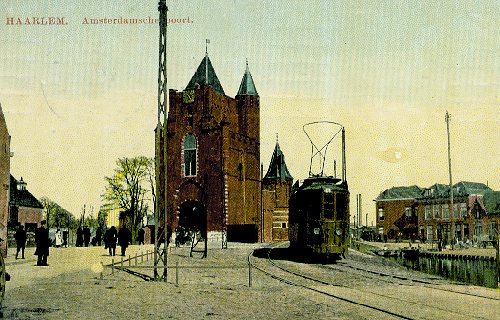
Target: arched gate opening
<point>192,226</point>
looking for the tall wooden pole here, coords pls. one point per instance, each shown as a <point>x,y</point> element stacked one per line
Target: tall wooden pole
<point>261,204</point>
<point>452,218</point>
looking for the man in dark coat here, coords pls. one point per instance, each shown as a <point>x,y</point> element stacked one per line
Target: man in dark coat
<point>65,238</point>
<point>98,236</point>
<point>42,244</point>
<point>86,236</point>
<point>20,237</point>
<point>110,240</point>
<point>140,236</point>
<point>79,237</point>
<point>124,238</point>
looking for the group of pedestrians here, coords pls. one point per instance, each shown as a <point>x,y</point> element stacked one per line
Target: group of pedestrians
<point>42,243</point>
<point>111,237</point>
<point>61,238</point>
<point>82,237</point>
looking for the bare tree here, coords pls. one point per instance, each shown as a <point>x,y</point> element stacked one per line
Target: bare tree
<point>127,188</point>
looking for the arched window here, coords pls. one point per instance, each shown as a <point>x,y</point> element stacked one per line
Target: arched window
<point>190,154</point>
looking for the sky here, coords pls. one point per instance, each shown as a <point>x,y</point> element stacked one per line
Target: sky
<point>77,96</point>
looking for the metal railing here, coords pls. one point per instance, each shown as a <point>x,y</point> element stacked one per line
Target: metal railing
<point>132,262</point>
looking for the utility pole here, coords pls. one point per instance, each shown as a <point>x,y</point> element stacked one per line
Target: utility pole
<point>160,254</point>
<point>261,205</point>
<point>452,218</point>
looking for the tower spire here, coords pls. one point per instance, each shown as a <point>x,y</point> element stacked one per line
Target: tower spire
<point>207,41</point>
<point>247,87</point>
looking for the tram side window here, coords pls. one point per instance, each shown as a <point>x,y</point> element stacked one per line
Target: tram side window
<point>328,205</point>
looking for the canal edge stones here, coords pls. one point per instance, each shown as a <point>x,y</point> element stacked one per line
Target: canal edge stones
<point>441,255</point>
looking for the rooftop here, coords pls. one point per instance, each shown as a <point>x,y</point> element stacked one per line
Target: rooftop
<point>277,168</point>
<point>22,198</point>
<point>205,75</point>
<point>411,192</point>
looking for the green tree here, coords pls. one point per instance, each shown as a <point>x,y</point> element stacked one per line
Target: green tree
<point>57,216</point>
<point>128,189</point>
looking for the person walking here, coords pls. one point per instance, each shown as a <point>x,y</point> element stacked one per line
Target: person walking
<point>42,244</point>
<point>140,236</point>
<point>65,238</point>
<point>124,238</point>
<point>79,237</point>
<point>20,237</point>
<point>110,240</point>
<point>86,235</point>
<point>98,236</point>
<point>58,240</point>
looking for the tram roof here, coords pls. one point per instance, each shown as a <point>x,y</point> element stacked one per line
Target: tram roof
<point>323,182</point>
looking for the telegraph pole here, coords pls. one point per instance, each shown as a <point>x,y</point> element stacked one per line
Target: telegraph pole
<point>160,254</point>
<point>452,218</point>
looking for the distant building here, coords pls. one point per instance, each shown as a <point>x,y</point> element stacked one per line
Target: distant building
<point>396,210</point>
<point>213,164</point>
<point>484,216</point>
<point>276,189</point>
<point>5,155</point>
<point>25,209</point>
<point>410,212</point>
<point>112,215</point>
<point>435,219</point>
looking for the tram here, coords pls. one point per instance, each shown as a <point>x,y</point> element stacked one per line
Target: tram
<point>319,208</point>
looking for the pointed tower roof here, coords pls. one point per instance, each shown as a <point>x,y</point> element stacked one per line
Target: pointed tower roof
<point>205,74</point>
<point>3,123</point>
<point>277,168</point>
<point>247,87</point>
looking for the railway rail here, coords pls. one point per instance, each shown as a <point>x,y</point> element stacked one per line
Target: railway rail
<point>398,279</point>
<point>385,303</point>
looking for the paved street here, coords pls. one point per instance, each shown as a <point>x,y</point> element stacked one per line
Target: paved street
<point>70,288</point>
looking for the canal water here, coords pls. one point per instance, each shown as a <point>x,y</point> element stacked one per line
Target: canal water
<point>481,272</point>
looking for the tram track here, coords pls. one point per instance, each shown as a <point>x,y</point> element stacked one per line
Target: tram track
<point>389,305</point>
<point>386,277</point>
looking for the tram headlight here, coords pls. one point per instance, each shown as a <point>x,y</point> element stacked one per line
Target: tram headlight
<point>338,232</point>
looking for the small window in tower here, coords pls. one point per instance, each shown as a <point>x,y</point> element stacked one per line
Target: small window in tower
<point>190,155</point>
<point>190,121</point>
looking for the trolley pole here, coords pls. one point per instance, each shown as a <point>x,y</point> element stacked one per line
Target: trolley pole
<point>160,255</point>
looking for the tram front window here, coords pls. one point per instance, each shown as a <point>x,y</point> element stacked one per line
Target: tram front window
<point>340,206</point>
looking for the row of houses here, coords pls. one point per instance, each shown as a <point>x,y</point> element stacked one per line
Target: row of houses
<point>412,212</point>
<point>17,204</point>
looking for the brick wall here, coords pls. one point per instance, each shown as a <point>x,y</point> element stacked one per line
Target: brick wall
<point>4,182</point>
<point>227,180</point>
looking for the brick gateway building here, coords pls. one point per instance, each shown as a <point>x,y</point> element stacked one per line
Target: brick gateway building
<point>213,158</point>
